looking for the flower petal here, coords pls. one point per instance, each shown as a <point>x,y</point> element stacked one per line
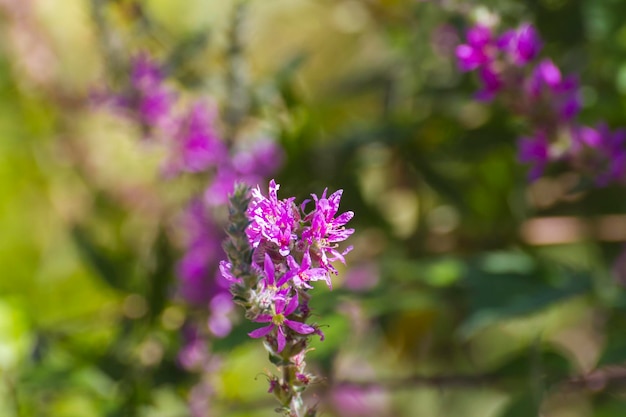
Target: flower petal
<point>316,274</point>
<point>263,331</point>
<point>299,327</point>
<point>279,304</point>
<point>293,304</point>
<point>269,270</point>
<point>281,339</point>
<point>263,318</point>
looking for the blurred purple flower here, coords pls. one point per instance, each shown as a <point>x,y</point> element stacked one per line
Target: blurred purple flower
<point>491,84</point>
<point>154,100</point>
<point>362,277</point>
<point>522,45</point>
<point>478,51</point>
<point>220,307</point>
<point>600,152</point>
<point>146,99</point>
<point>145,72</point>
<point>545,75</point>
<point>196,145</point>
<point>222,185</point>
<point>200,398</point>
<point>250,165</point>
<point>536,152</point>
<point>356,401</point>
<point>261,158</point>
<point>195,353</point>
<point>546,83</point>
<point>197,268</point>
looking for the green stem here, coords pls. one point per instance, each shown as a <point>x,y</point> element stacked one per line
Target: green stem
<point>14,396</point>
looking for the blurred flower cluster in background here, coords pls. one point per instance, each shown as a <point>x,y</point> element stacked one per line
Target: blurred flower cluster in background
<point>480,146</point>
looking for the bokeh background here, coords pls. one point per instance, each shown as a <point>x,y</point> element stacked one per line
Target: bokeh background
<point>469,292</point>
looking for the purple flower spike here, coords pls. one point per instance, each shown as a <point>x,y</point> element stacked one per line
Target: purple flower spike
<point>284,249</point>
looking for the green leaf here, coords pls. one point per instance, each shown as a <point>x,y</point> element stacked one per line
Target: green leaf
<point>496,294</point>
<point>615,349</point>
<point>521,406</point>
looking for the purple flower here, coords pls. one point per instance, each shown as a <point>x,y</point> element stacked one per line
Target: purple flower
<point>355,401</point>
<point>260,159</point>
<point>326,230</point>
<point>203,250</point>
<point>536,152</point>
<point>196,145</point>
<point>249,166</point>
<point>278,319</point>
<point>195,353</point>
<point>363,277</point>
<point>269,280</point>
<point>569,102</point>
<point>146,99</point>
<point>220,307</point>
<point>145,72</point>
<point>545,75</point>
<point>303,273</point>
<point>226,271</point>
<point>491,84</point>
<point>600,152</point>
<point>546,83</point>
<point>153,101</point>
<point>522,45</point>
<point>271,220</point>
<point>222,184</point>
<point>478,50</point>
